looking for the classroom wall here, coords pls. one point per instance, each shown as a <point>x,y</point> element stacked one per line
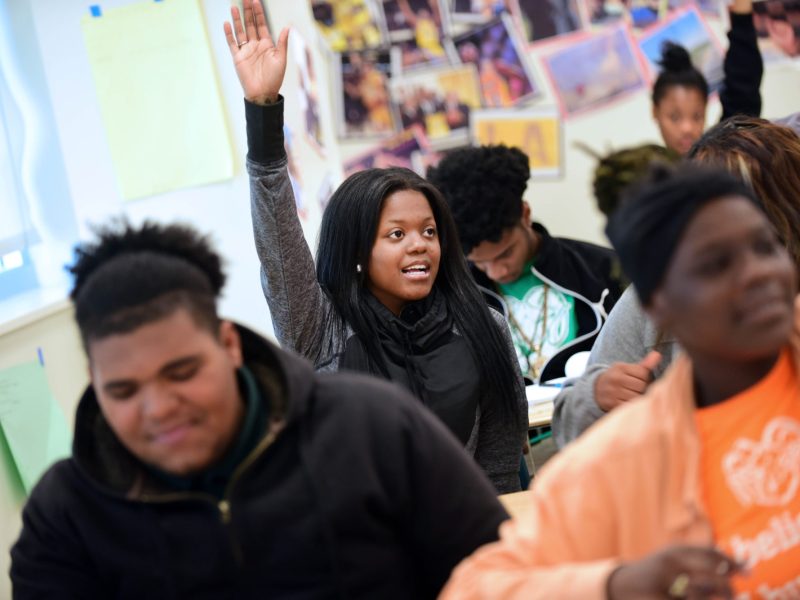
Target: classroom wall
<point>565,206</point>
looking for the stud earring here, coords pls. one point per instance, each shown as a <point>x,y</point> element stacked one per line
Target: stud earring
<point>358,268</point>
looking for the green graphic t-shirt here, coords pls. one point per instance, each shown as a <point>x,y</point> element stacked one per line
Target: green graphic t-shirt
<point>536,337</point>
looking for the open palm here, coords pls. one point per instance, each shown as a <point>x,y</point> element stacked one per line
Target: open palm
<point>260,64</point>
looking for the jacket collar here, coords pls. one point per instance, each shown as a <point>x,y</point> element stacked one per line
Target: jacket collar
<point>286,382</point>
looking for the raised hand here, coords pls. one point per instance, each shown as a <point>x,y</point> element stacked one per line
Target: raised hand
<point>624,381</point>
<point>260,64</point>
<point>692,572</point>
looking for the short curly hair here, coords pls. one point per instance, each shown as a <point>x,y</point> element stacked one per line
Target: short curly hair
<point>483,187</point>
<point>131,276</point>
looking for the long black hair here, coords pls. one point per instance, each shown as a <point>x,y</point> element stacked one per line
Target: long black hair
<point>347,235</point>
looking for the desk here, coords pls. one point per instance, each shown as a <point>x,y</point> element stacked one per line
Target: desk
<point>516,502</point>
<point>540,404</point>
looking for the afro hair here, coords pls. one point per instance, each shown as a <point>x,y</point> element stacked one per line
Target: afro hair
<point>483,187</point>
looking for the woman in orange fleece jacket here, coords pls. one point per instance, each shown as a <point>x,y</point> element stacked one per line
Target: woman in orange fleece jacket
<point>692,491</point>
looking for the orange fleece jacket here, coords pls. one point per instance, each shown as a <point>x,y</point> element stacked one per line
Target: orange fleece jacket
<point>627,487</point>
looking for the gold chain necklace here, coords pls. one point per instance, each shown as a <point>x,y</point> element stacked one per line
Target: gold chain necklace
<point>534,349</point>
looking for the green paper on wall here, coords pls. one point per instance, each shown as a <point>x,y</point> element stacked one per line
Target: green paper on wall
<point>159,97</point>
<point>31,421</point>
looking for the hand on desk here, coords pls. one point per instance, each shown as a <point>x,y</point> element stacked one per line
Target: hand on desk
<point>624,381</point>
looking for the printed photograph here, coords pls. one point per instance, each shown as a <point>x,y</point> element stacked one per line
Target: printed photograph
<point>348,24</point>
<point>603,12</point>
<point>400,150</point>
<point>295,176</point>
<point>365,108</point>
<point>504,74</point>
<point>438,100</point>
<point>417,28</point>
<point>544,19</point>
<point>538,133</point>
<point>477,11</point>
<point>688,29</point>
<point>593,72</point>
<point>778,26</point>
<point>326,189</point>
<point>308,89</point>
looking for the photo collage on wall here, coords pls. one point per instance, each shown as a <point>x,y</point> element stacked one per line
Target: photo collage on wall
<point>422,77</point>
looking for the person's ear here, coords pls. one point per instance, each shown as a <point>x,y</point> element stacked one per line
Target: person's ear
<point>658,309</point>
<point>526,214</point>
<point>230,340</point>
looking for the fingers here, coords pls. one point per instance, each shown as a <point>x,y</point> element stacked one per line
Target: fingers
<point>229,37</point>
<point>651,361</point>
<point>283,42</point>
<point>261,22</point>
<point>249,19</point>
<point>237,25</point>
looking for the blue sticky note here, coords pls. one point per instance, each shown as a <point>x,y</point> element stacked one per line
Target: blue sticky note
<point>95,10</point>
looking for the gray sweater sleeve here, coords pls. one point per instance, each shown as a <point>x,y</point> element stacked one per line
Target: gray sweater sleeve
<point>500,439</point>
<point>627,336</point>
<point>300,310</point>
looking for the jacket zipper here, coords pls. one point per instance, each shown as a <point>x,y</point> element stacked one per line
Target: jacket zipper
<point>597,309</point>
<point>223,505</point>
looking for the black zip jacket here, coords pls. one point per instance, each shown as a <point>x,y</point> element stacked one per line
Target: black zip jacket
<point>589,273</point>
<point>361,493</point>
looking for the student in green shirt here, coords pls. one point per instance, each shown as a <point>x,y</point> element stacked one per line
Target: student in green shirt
<point>555,292</point>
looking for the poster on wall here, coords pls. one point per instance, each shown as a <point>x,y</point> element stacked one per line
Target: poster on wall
<point>778,27</point>
<point>687,29</point>
<point>147,58</point>
<point>400,150</point>
<point>348,24</point>
<point>361,87</point>
<point>595,71</point>
<point>546,19</point>
<point>477,11</point>
<point>438,100</point>
<point>417,29</point>
<point>537,132</point>
<point>307,90</point>
<point>503,71</point>
<point>295,174</point>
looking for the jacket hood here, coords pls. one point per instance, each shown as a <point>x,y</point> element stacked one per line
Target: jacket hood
<point>286,381</point>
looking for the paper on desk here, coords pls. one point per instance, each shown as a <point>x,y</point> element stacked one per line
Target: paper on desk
<point>541,394</point>
<point>159,97</point>
<point>31,422</point>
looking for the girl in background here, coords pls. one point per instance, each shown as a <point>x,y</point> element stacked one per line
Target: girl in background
<point>680,93</point>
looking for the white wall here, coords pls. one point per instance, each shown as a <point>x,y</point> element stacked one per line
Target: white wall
<point>565,206</point>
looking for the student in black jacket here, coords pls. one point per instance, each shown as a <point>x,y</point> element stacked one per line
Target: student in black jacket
<point>555,292</point>
<point>208,463</point>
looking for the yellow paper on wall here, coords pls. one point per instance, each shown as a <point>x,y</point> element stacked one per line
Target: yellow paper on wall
<point>159,97</point>
<point>31,422</point>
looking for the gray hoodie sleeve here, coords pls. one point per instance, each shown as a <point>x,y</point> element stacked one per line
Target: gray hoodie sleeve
<point>500,440</point>
<point>300,310</point>
<point>627,336</point>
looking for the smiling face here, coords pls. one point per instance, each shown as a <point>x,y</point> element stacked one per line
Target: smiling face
<point>168,391</point>
<point>504,260</point>
<point>681,117</point>
<point>405,256</point>
<point>728,292</point>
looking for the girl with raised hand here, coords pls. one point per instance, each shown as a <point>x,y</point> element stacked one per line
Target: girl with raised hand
<point>391,295</point>
<point>680,93</point>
